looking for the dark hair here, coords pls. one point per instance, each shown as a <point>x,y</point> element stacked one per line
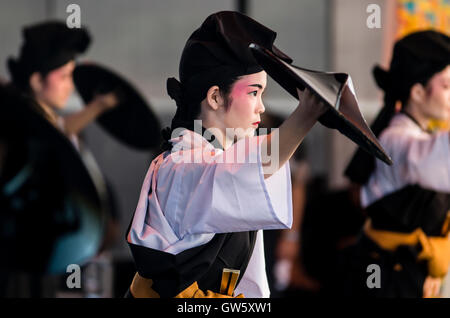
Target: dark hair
<point>20,77</point>
<point>187,110</point>
<point>404,99</point>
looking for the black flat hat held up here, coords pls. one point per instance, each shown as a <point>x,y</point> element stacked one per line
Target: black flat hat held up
<point>335,89</point>
<point>132,120</point>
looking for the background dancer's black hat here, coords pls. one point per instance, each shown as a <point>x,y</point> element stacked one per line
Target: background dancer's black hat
<point>334,89</point>
<point>132,120</point>
<point>46,46</point>
<point>52,211</point>
<point>416,58</point>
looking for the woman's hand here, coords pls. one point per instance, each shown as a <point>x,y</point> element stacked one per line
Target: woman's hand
<point>105,101</point>
<point>311,103</point>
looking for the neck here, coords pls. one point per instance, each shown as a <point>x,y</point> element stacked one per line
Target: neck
<point>420,119</point>
<point>220,135</point>
<point>219,131</point>
<point>49,112</point>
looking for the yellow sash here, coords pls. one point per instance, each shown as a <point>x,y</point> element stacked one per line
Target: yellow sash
<point>142,288</point>
<point>435,249</point>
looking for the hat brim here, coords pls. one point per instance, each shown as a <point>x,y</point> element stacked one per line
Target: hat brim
<point>132,120</point>
<point>334,89</point>
<point>61,217</point>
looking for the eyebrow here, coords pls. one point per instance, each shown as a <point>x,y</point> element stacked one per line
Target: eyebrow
<point>256,85</point>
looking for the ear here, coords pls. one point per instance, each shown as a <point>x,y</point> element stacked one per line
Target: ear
<point>417,93</point>
<point>214,97</point>
<point>36,82</point>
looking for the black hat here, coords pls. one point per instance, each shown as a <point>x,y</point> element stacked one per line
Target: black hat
<point>132,120</point>
<point>52,211</point>
<point>416,58</point>
<point>335,89</point>
<point>219,48</point>
<point>215,53</point>
<point>46,46</point>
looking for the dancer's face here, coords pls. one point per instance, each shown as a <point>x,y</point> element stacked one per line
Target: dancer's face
<point>245,103</point>
<point>57,86</point>
<point>436,103</point>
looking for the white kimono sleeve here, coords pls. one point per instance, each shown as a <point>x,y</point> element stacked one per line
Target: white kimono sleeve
<point>428,162</point>
<point>225,195</point>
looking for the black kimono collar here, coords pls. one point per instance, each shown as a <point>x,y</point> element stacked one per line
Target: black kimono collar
<point>416,122</point>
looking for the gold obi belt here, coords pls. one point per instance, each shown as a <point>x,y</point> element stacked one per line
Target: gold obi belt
<point>142,287</point>
<point>435,249</point>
